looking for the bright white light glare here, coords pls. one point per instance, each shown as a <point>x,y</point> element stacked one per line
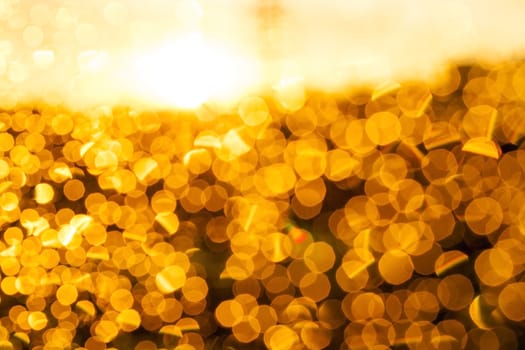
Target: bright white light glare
<point>188,71</point>
<point>184,52</point>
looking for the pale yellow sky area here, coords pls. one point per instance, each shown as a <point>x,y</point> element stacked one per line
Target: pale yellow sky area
<point>184,52</point>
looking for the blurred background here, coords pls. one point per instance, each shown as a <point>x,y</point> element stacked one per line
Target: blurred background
<point>184,52</point>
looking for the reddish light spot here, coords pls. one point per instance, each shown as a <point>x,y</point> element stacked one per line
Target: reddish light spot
<point>298,235</point>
